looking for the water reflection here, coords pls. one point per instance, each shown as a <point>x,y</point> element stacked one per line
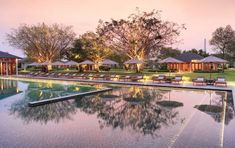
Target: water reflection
<point>55,112</point>
<point>133,107</point>
<point>40,91</point>
<point>8,88</point>
<point>220,102</point>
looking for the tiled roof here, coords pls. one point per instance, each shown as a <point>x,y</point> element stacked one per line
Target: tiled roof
<point>188,57</point>
<point>7,55</point>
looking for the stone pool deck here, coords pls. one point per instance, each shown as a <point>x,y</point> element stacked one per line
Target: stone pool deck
<point>185,85</point>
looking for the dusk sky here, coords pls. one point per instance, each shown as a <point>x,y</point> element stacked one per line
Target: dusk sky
<point>201,17</point>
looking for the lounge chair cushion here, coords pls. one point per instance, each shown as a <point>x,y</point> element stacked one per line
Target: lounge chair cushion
<point>221,80</point>
<point>139,77</point>
<point>200,79</point>
<point>160,77</point>
<point>178,78</point>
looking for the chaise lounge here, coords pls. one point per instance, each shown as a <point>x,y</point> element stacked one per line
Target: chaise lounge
<point>199,81</point>
<point>125,78</point>
<point>176,80</point>
<point>137,78</point>
<point>220,81</point>
<point>159,79</point>
<point>110,77</point>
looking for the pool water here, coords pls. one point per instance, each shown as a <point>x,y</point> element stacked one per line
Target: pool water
<point>128,116</point>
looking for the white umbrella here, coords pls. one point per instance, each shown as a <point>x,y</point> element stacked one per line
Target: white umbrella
<point>109,62</point>
<point>58,63</point>
<point>86,62</point>
<point>44,63</point>
<point>34,64</point>
<point>134,61</point>
<point>71,63</point>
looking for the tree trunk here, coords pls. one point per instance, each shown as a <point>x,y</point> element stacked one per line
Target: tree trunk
<point>223,63</point>
<point>49,67</point>
<point>137,68</point>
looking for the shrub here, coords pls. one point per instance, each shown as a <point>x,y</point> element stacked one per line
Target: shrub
<point>105,68</point>
<point>208,71</point>
<point>152,70</point>
<point>162,70</point>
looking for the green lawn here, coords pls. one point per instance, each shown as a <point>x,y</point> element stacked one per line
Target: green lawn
<point>228,74</point>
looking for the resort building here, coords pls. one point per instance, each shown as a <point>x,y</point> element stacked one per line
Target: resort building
<point>8,64</point>
<point>188,62</point>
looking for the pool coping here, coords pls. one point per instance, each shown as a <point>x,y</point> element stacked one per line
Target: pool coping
<point>62,98</point>
<point>182,86</point>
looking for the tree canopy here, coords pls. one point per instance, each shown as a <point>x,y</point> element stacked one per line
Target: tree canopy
<point>141,35</point>
<point>223,40</point>
<point>199,52</point>
<point>42,42</point>
<point>166,52</point>
<point>91,46</point>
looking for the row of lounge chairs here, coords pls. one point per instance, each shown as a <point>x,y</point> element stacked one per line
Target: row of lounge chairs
<point>157,79</point>
<point>161,79</point>
<point>86,76</point>
<point>219,81</point>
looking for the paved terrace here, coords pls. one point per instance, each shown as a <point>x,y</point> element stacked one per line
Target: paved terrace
<point>184,85</point>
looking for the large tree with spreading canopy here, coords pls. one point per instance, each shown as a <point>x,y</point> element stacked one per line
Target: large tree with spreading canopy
<point>223,40</point>
<point>91,46</point>
<point>141,35</point>
<point>41,42</point>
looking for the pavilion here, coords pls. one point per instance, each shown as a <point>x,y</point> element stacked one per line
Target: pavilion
<point>8,64</point>
<point>192,62</point>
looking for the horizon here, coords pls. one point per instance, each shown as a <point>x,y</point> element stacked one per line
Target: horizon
<point>200,21</point>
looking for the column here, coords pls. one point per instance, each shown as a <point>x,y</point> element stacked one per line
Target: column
<point>1,68</point>
<point>17,67</point>
<point>6,68</point>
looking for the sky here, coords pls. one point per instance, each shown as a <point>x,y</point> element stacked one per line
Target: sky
<point>201,17</point>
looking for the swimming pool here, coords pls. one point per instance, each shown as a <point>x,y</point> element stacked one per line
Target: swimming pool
<point>127,116</point>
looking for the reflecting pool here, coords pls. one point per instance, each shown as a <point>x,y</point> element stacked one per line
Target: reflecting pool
<point>128,116</point>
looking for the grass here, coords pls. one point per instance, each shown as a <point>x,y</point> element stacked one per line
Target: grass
<point>188,76</point>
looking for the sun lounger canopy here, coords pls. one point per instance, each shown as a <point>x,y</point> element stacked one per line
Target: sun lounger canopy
<point>86,62</point>
<point>134,61</point>
<point>44,63</point>
<point>34,64</point>
<point>71,63</point>
<point>58,63</point>
<point>109,62</point>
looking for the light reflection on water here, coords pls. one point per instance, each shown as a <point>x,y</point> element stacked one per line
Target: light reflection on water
<point>128,116</point>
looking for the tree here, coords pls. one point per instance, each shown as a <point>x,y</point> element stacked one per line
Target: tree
<point>166,52</point>
<point>141,35</point>
<point>41,42</point>
<point>199,52</point>
<point>223,39</point>
<point>91,46</point>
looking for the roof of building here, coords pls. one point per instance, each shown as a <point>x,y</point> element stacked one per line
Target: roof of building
<point>188,57</point>
<point>7,55</point>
